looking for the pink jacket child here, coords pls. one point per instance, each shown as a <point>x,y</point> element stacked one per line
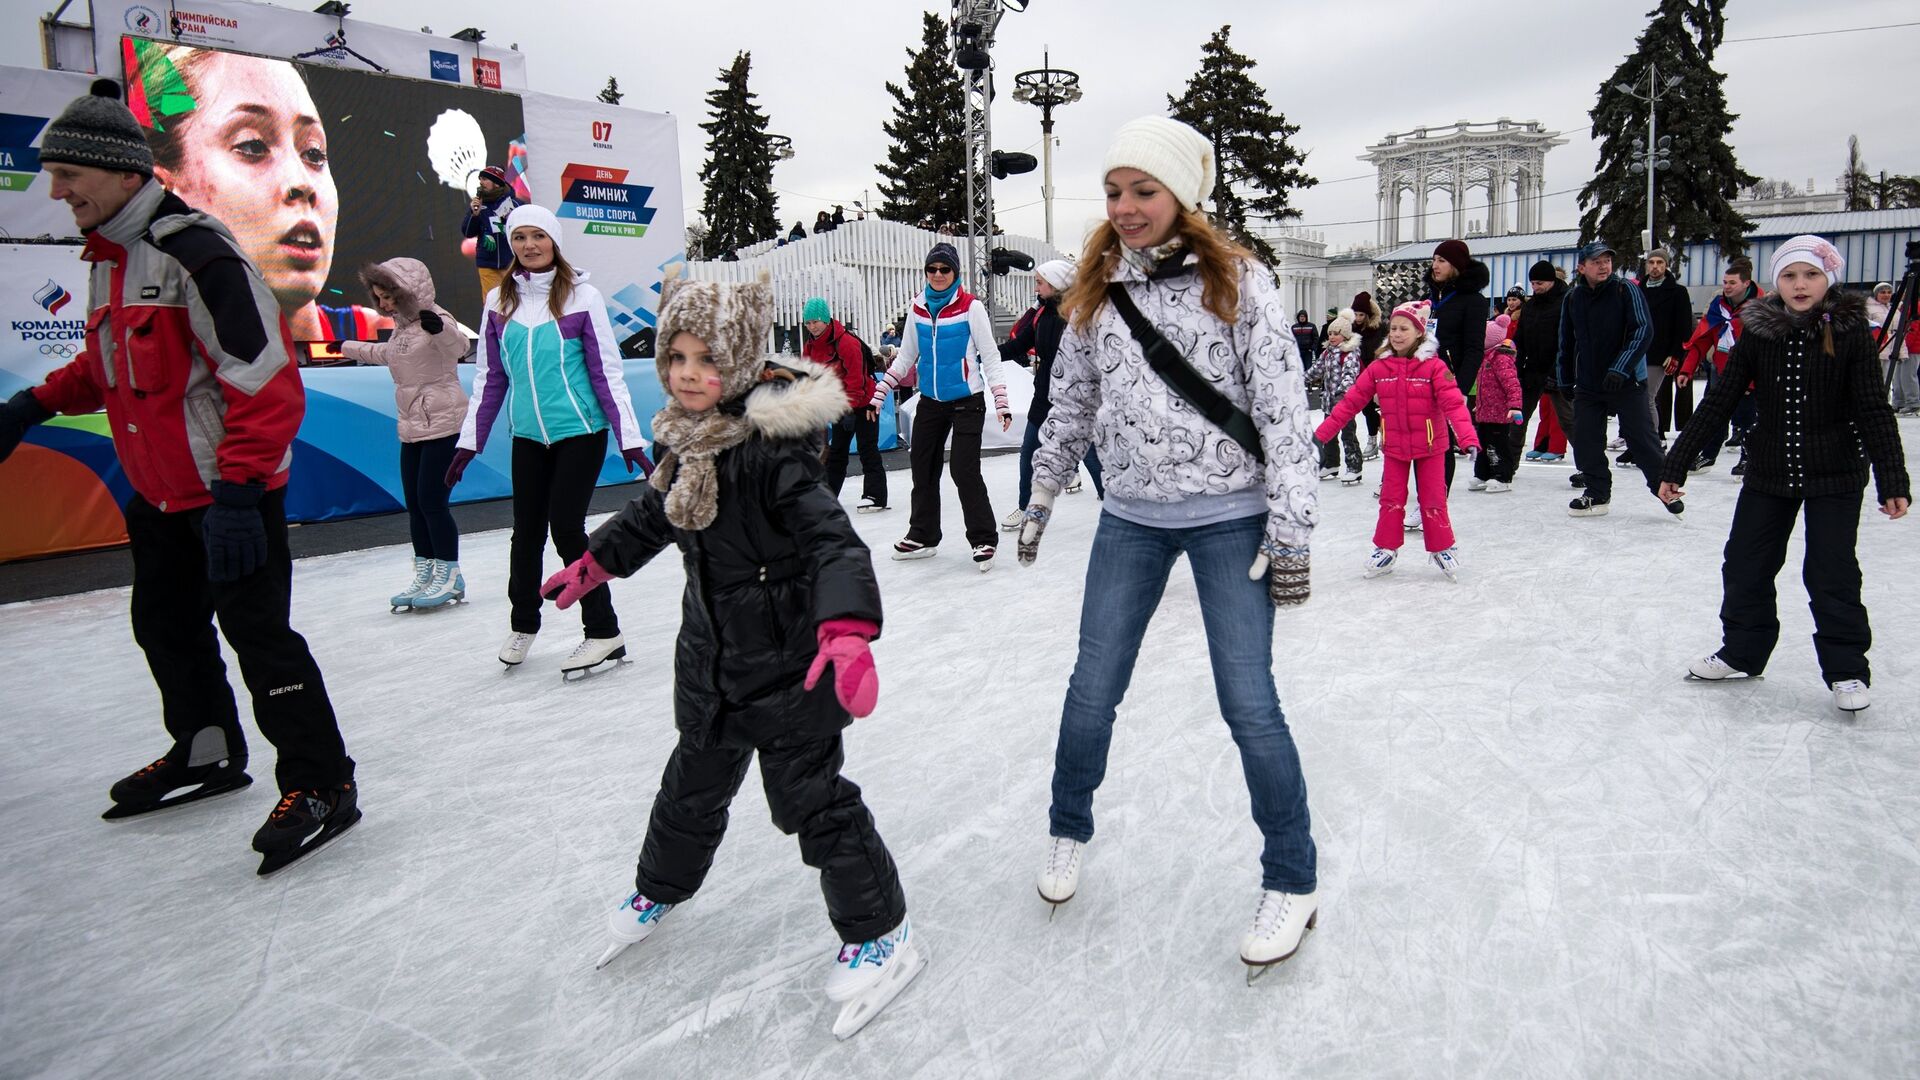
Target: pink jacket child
<point>1499,384</point>
<point>1418,400</point>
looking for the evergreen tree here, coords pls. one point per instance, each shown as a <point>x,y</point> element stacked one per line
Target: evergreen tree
<point>926,166</point>
<point>1693,199</point>
<point>611,93</point>
<point>1255,166</point>
<point>739,204</point>
<point>1866,192</point>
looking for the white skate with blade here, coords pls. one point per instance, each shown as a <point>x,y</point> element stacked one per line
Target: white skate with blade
<point>629,924</point>
<point>868,976</point>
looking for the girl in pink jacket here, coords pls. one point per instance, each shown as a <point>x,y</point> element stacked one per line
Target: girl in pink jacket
<point>1418,399</point>
<point>1497,413</point>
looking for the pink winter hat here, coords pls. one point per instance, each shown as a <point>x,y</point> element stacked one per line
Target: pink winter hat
<point>1497,331</point>
<point>1415,310</point>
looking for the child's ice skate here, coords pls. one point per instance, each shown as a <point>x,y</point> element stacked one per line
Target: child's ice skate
<point>629,924</point>
<point>1381,562</point>
<point>867,977</point>
<point>1713,669</point>
<point>1350,478</point>
<point>1448,563</point>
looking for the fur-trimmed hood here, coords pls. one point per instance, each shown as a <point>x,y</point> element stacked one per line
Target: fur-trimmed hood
<point>1770,318</point>
<point>797,398</point>
<point>408,280</point>
<point>1473,279</point>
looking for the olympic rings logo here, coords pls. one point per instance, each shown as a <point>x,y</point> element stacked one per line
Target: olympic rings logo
<point>62,350</point>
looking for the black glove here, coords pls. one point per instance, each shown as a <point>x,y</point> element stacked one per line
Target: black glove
<point>1614,381</point>
<point>236,536</point>
<point>21,412</point>
<point>431,322</point>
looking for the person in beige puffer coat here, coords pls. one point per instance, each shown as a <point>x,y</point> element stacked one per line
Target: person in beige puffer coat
<point>423,356</point>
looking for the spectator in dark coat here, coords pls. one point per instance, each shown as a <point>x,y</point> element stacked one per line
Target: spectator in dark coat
<point>1536,345</point>
<point>1672,312</point>
<point>1604,333</point>
<point>1457,291</point>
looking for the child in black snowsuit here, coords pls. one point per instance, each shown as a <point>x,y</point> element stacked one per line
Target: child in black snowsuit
<point>778,587</point>
<point>1808,351</point>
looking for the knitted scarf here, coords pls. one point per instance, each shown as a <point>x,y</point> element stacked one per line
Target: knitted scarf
<point>938,301</point>
<point>694,441</point>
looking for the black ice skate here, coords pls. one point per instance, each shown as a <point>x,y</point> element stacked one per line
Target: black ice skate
<point>303,821</point>
<point>168,783</point>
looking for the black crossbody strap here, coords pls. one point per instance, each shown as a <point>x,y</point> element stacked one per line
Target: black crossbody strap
<point>1167,362</point>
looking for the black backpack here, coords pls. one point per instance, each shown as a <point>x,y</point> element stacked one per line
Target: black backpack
<point>871,363</point>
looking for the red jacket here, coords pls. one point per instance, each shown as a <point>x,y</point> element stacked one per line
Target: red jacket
<point>189,353</point>
<point>1418,399</point>
<point>839,352</point>
<point>1707,336</point>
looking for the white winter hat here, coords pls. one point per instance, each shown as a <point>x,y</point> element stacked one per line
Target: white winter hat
<point>1167,150</point>
<point>1057,273</point>
<point>540,218</point>
<point>1813,251</point>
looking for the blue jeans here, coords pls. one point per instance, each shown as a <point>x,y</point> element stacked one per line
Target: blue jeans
<point>1031,442</point>
<point>1126,574</point>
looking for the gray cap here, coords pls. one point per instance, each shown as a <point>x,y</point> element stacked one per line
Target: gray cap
<point>1663,253</point>
<point>100,131</point>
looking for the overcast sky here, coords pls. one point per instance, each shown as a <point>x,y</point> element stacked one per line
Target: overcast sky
<point>1345,73</point>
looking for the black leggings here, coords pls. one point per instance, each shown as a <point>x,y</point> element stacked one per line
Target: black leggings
<point>423,479</point>
<point>552,486</point>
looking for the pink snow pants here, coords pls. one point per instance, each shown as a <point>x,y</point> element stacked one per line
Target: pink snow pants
<point>1430,473</point>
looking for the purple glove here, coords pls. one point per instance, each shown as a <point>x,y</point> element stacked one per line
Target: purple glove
<point>576,581</point>
<point>458,467</point>
<point>855,682</point>
<point>637,458</point>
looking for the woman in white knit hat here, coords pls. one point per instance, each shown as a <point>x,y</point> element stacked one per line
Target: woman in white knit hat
<point>1808,353</point>
<point>1034,343</point>
<point>1236,495</point>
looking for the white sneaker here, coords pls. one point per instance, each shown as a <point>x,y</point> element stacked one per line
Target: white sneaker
<point>1850,695</point>
<point>1013,521</point>
<point>1476,484</point>
<point>1350,478</point>
<point>422,574</point>
<point>1381,562</point>
<point>858,967</point>
<point>1495,487</point>
<point>1062,874</point>
<point>1448,563</point>
<point>1279,924</point>
<point>1713,669</point>
<point>594,650</point>
<point>516,649</point>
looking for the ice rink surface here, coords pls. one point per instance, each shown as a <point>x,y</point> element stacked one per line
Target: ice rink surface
<point>1542,853</point>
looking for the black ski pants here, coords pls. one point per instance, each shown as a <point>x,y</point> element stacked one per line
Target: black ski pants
<point>1499,451</point>
<point>932,422</point>
<point>423,481</point>
<point>806,795</point>
<point>1757,549</point>
<point>1349,441</point>
<point>552,485</point>
<point>1590,437</point>
<point>174,608</point>
<point>873,469</point>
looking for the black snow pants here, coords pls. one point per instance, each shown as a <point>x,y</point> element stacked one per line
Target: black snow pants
<point>1757,549</point>
<point>174,607</point>
<point>806,795</point>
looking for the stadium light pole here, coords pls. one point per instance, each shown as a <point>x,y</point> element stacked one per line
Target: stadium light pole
<point>1653,156</point>
<point>1049,88</point>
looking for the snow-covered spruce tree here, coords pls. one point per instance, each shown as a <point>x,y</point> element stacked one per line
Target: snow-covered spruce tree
<point>739,205</point>
<point>1256,166</point>
<point>1694,198</point>
<point>926,167</point>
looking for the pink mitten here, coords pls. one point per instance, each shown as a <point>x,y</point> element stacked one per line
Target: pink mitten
<point>577,580</point>
<point>855,682</point>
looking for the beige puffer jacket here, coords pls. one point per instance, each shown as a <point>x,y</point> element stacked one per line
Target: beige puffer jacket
<point>426,387</point>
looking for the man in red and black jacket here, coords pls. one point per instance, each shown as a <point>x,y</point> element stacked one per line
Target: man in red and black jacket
<point>830,345</point>
<point>1712,340</point>
<point>188,352</point>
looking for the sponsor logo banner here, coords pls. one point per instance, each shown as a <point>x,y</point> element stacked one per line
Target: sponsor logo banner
<point>444,65</point>
<point>486,73</point>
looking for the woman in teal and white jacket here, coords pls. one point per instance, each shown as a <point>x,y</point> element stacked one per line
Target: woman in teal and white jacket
<point>549,358</point>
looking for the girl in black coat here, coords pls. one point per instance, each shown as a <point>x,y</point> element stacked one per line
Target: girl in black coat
<point>1808,351</point>
<point>778,587</point>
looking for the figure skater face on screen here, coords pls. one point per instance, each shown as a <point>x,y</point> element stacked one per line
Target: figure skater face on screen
<point>254,154</point>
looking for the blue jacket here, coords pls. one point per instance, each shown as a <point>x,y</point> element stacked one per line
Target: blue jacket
<point>1604,329</point>
<point>489,229</point>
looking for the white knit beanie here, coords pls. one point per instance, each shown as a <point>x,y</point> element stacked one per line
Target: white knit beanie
<point>1057,273</point>
<point>1813,251</point>
<point>540,218</point>
<point>1167,150</point>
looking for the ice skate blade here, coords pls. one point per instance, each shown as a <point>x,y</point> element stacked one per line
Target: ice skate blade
<point>614,659</point>
<point>203,793</point>
<point>858,1012</point>
<point>613,952</point>
<point>1256,969</point>
<point>275,861</point>
<point>871,510</point>
<point>917,553</point>
<point>1741,677</point>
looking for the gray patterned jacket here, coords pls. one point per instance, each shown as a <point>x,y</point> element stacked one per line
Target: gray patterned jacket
<point>1156,447</point>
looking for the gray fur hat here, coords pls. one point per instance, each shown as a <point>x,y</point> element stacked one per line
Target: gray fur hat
<point>100,131</point>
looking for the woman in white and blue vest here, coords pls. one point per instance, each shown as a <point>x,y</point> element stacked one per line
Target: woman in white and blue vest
<point>948,349</point>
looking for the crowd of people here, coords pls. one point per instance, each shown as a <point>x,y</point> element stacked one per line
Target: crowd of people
<point>1164,365</point>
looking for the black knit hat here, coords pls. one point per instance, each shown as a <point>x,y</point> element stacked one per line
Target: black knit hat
<point>100,131</point>
<point>1542,271</point>
<point>945,254</point>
